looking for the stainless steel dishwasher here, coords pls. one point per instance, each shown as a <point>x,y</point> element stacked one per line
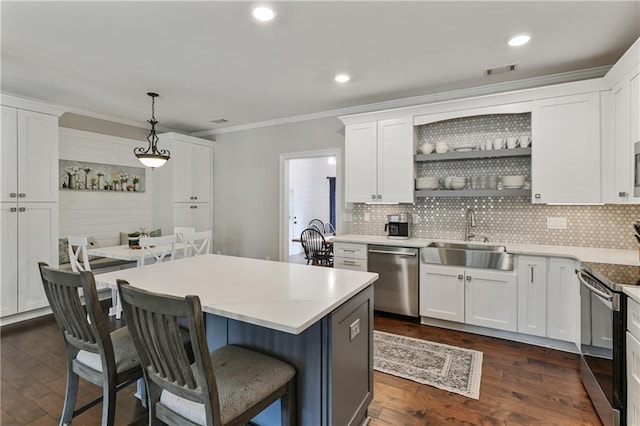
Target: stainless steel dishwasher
<point>396,291</point>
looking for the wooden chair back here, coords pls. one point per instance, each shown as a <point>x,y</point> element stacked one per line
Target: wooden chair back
<point>78,248</point>
<point>315,247</point>
<point>196,243</point>
<point>150,248</point>
<point>317,224</point>
<point>329,229</point>
<point>154,322</point>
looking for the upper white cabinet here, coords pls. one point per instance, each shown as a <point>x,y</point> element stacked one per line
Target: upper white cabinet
<point>186,181</point>
<point>566,149</point>
<point>532,295</point>
<point>379,161</point>
<point>29,156</point>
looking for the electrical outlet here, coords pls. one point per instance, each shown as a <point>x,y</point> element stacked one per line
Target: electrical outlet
<point>354,329</point>
<point>556,223</point>
<point>367,217</point>
<point>415,218</point>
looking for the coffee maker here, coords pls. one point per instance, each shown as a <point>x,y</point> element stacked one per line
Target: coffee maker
<point>398,226</point>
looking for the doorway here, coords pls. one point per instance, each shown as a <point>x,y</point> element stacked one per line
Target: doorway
<point>308,191</point>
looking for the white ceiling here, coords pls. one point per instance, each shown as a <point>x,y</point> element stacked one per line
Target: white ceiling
<point>211,60</point>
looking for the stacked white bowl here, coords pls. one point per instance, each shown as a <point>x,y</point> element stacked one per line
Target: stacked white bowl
<point>455,182</point>
<point>516,181</point>
<point>427,182</point>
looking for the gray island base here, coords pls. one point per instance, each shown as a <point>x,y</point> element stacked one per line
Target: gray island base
<point>334,368</point>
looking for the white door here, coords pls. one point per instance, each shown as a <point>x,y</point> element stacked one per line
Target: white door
<point>37,156</point>
<point>202,173</point>
<point>9,155</point>
<point>532,295</point>
<point>442,292</point>
<point>491,299</point>
<point>566,149</point>
<point>202,216</point>
<point>8,259</point>
<point>38,242</point>
<point>360,162</point>
<point>183,167</point>
<point>563,295</point>
<point>183,215</point>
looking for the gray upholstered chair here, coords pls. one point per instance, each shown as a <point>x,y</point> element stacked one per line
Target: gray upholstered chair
<point>228,386</point>
<point>104,358</point>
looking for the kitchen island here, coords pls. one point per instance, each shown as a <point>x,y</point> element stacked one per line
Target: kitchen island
<point>320,320</point>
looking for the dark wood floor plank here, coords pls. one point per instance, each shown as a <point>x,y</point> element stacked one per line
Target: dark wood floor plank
<point>521,384</point>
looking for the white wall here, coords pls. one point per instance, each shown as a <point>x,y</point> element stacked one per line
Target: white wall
<point>310,186</point>
<point>102,214</point>
<point>246,183</point>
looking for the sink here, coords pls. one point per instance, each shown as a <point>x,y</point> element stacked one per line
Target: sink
<point>470,255</point>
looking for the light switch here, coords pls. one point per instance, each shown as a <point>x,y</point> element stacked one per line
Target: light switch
<point>415,218</point>
<point>354,329</point>
<point>556,223</point>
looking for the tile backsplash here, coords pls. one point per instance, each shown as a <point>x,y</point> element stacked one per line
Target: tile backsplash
<point>508,219</point>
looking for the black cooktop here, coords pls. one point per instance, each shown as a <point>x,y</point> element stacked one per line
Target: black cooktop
<point>617,274</point>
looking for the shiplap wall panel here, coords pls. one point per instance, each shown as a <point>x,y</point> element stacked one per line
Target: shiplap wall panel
<point>103,214</point>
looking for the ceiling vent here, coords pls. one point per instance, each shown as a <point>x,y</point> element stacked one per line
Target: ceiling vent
<point>500,70</point>
<point>220,121</point>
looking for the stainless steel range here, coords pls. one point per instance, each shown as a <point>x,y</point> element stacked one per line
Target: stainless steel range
<point>602,343</point>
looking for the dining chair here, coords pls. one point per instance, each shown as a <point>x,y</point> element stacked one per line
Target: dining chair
<point>148,245</point>
<point>228,386</point>
<point>329,229</point>
<point>315,248</point>
<point>104,358</point>
<point>196,243</point>
<point>316,224</point>
<point>180,230</point>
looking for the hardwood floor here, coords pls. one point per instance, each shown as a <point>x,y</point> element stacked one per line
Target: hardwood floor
<point>521,384</point>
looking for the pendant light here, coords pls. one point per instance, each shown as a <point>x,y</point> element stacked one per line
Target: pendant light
<point>151,156</point>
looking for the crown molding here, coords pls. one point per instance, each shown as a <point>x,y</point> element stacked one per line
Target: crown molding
<point>488,89</point>
<point>30,104</point>
<point>113,119</point>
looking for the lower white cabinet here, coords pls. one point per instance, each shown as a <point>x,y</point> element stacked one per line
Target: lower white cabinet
<point>563,297</point>
<point>194,215</point>
<point>350,256</point>
<point>442,292</point>
<point>29,235</point>
<point>491,299</point>
<point>532,295</point>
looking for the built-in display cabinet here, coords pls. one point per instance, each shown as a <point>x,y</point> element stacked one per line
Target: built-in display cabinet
<point>184,185</point>
<point>28,203</point>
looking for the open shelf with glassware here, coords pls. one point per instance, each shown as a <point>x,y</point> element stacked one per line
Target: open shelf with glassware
<point>454,156</point>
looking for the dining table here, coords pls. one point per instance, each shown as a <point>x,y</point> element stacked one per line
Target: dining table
<point>319,320</point>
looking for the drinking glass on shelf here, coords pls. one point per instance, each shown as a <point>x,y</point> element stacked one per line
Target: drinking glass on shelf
<point>493,182</point>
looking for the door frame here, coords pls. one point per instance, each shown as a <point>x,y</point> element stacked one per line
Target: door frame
<point>283,214</point>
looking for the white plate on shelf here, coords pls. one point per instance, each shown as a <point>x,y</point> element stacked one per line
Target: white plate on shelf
<point>463,149</point>
<point>467,147</point>
<point>513,187</point>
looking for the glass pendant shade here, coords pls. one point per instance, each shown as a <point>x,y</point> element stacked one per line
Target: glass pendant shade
<point>152,156</point>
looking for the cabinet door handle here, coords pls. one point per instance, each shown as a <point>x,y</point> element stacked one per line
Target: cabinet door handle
<point>531,268</point>
<point>13,209</point>
<point>13,195</point>
<point>195,197</point>
<point>22,195</point>
<point>373,196</point>
<point>379,196</point>
<point>195,207</point>
<point>468,277</point>
<point>623,194</point>
<point>537,196</point>
<point>460,276</point>
<point>21,209</point>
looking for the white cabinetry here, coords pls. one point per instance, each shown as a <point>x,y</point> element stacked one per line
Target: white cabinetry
<point>566,149</point>
<point>633,363</point>
<point>183,187</point>
<point>442,292</point>
<point>28,207</point>
<point>532,295</point>
<point>491,299</point>
<point>350,256</point>
<point>563,296</point>
<point>379,161</point>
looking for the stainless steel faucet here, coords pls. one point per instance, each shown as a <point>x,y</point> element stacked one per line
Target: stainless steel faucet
<point>470,222</point>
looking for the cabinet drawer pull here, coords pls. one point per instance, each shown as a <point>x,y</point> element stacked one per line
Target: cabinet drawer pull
<point>349,250</point>
<point>13,195</point>
<point>348,262</point>
<point>623,194</point>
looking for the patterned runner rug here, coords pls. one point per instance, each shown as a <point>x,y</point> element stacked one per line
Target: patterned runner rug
<point>445,367</point>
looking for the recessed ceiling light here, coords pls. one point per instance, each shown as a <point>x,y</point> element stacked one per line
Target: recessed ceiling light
<point>519,40</point>
<point>342,77</point>
<point>263,13</point>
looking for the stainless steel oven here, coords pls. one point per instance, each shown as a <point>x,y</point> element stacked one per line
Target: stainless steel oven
<point>602,343</point>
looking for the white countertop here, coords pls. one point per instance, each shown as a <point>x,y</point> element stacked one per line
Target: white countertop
<point>281,296</point>
<point>633,292</point>
<point>583,254</point>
